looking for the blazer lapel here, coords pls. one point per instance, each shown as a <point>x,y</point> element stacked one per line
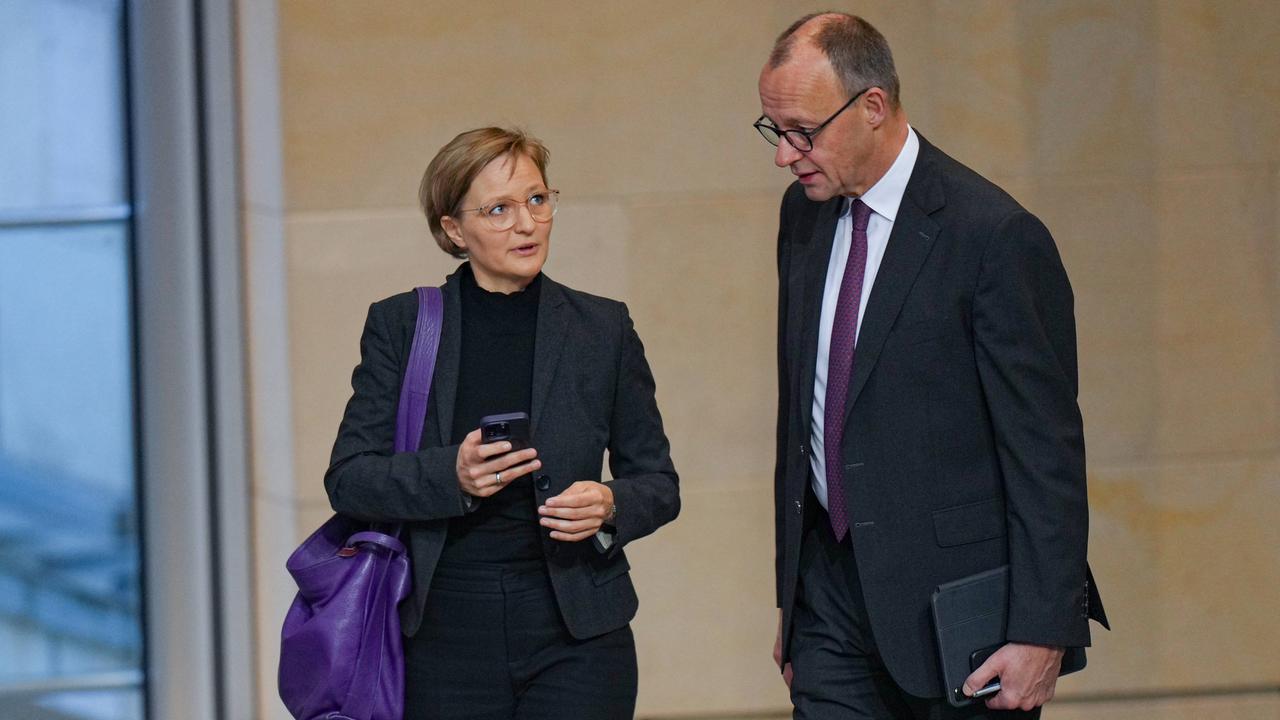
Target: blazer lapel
<point>548,345</point>
<point>909,244</point>
<point>448,358</point>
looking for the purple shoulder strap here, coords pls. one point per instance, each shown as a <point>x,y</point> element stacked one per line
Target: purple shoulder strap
<point>416,386</point>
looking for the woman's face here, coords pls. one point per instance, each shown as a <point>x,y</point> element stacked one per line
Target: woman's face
<point>503,260</point>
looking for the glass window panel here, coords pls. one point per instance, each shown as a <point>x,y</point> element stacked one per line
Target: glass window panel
<point>93,704</point>
<point>62,104</point>
<point>70,603</point>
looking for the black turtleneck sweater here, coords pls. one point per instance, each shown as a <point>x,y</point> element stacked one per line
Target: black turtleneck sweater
<point>496,376</point>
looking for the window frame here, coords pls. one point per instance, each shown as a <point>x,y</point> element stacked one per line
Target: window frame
<point>192,423</point>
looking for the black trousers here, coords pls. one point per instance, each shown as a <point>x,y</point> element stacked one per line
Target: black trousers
<point>492,646</point>
<point>838,671</point>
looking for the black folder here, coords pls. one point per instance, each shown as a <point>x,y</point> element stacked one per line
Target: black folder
<point>970,616</point>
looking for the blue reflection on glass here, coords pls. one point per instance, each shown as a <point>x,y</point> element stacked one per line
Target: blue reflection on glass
<point>62,123</point>
<point>70,594</point>
<point>69,560</point>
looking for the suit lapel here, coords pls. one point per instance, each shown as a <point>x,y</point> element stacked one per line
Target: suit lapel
<point>909,244</point>
<point>812,281</point>
<point>548,345</point>
<point>449,356</point>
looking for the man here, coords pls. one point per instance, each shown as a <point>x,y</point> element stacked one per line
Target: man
<point>927,420</point>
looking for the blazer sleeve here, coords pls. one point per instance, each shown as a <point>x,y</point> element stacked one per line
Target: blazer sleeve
<point>1025,345</point>
<point>366,479</point>
<point>784,406</point>
<point>645,487</point>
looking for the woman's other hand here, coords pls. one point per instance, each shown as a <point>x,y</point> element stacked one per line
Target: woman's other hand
<point>485,469</point>
<point>579,512</point>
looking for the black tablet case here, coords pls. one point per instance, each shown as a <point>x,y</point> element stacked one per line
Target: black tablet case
<point>971,614</point>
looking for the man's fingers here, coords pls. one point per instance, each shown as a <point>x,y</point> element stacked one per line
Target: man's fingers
<point>1028,674</point>
<point>979,678</point>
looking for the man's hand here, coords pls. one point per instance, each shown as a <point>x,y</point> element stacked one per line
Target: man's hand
<point>485,469</point>
<point>777,653</point>
<point>578,512</point>
<point>1028,675</point>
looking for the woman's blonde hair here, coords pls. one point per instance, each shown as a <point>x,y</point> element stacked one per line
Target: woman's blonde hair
<point>451,171</point>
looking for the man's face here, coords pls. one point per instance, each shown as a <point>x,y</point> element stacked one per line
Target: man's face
<point>801,94</point>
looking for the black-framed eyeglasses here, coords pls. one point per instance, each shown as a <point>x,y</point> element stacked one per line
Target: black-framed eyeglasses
<point>801,140</point>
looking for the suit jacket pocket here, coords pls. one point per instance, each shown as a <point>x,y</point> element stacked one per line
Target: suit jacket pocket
<point>616,567</point>
<point>971,523</point>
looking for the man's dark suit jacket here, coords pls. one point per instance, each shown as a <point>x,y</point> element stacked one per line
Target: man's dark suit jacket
<point>963,445</point>
<point>592,392</point>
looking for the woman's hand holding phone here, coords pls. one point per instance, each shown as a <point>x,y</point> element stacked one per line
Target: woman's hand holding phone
<point>484,469</point>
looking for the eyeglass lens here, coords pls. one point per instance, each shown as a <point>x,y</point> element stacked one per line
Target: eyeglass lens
<point>773,136</point>
<point>502,214</point>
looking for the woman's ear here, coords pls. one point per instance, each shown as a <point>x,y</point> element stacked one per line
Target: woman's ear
<point>453,230</point>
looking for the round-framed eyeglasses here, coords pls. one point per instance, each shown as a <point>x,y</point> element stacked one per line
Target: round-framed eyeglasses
<point>501,214</point>
<point>801,140</point>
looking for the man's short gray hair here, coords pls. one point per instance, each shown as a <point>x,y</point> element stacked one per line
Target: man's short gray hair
<point>858,53</point>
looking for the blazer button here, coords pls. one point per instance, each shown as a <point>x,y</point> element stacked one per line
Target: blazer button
<point>799,508</point>
<point>804,450</point>
<point>542,482</point>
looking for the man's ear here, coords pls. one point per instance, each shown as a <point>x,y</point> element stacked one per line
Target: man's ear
<point>453,230</point>
<point>876,106</point>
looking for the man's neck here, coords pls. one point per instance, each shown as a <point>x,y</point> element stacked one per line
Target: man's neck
<point>890,138</point>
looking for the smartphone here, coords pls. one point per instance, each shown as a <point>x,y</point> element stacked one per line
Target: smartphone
<point>975,661</point>
<point>512,427</point>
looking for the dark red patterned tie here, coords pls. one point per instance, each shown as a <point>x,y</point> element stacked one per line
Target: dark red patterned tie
<point>844,335</point>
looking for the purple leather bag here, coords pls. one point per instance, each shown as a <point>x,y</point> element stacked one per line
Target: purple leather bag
<point>341,656</point>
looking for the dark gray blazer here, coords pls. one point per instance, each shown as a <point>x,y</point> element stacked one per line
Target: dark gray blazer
<point>592,392</point>
<point>963,446</point>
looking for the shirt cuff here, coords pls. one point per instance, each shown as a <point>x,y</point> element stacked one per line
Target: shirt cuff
<point>604,539</point>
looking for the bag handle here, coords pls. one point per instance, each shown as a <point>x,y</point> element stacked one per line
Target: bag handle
<point>389,542</point>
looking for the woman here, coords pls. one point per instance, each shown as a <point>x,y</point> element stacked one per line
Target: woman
<point>521,598</point>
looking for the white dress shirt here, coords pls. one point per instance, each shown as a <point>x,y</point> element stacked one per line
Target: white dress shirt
<point>883,198</point>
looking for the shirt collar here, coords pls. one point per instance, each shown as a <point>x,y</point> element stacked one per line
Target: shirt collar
<point>886,195</point>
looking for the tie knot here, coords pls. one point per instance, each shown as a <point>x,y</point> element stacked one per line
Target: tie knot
<point>861,215</point>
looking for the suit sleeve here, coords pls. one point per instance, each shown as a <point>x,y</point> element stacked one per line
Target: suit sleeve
<point>1025,343</point>
<point>645,488</point>
<point>366,479</point>
<point>784,405</point>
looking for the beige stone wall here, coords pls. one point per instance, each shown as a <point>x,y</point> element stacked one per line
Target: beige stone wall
<point>1143,133</point>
